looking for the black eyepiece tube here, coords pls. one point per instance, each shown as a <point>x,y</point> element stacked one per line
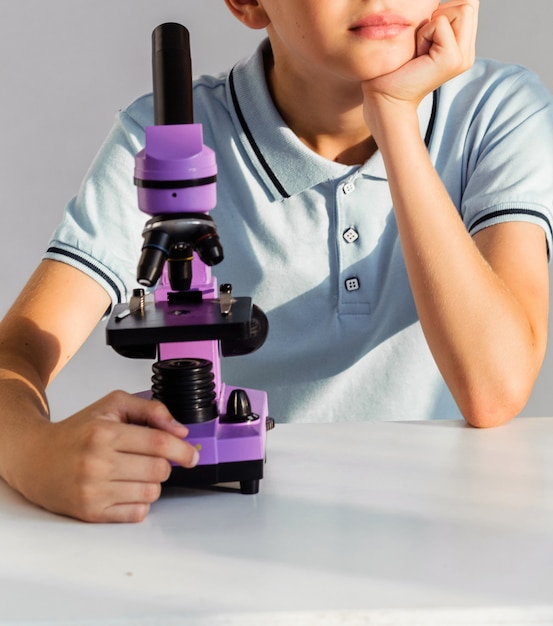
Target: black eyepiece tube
<point>172,72</point>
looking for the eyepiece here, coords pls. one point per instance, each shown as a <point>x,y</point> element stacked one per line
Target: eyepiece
<point>172,74</point>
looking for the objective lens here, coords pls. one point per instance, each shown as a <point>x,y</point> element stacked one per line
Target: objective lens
<point>210,249</point>
<point>154,253</point>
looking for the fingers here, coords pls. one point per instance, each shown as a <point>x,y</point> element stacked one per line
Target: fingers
<point>457,19</point>
<point>122,503</point>
<point>115,456</point>
<point>140,468</point>
<point>447,42</point>
<point>118,422</point>
<point>151,442</point>
<point>124,407</point>
<point>119,472</point>
<point>106,463</point>
<point>125,513</point>
<point>163,438</point>
<point>436,37</point>
<point>462,15</point>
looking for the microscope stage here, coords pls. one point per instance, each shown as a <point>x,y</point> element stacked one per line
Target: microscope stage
<point>164,322</point>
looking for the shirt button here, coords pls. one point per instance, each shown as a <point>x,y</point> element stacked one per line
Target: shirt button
<point>348,188</point>
<point>352,284</point>
<point>351,235</point>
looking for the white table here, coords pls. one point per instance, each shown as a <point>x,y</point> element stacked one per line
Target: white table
<point>377,524</point>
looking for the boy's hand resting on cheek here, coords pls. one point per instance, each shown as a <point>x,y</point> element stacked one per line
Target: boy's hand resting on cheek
<point>103,464</point>
<point>445,48</point>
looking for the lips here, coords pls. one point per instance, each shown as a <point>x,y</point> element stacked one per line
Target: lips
<point>380,25</point>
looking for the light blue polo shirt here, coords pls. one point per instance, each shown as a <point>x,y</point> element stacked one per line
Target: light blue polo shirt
<point>315,243</point>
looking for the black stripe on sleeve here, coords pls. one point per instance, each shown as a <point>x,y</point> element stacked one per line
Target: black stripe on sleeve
<point>91,266</point>
<point>504,212</point>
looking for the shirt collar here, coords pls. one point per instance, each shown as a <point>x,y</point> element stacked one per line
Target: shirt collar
<point>274,149</point>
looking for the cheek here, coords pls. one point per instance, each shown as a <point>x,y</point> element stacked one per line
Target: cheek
<point>432,5</point>
<point>423,10</point>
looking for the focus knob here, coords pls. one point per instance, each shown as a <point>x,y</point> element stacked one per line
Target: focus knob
<point>239,409</point>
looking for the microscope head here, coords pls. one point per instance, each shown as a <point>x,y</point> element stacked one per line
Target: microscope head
<point>175,172</point>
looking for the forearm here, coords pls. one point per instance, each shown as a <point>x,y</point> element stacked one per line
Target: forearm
<point>23,413</point>
<point>481,337</point>
<point>45,326</point>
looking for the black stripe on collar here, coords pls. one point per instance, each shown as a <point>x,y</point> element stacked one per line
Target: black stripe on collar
<point>252,141</point>
<point>270,173</point>
<point>432,120</point>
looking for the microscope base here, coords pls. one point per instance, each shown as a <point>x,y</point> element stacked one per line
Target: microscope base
<point>247,473</point>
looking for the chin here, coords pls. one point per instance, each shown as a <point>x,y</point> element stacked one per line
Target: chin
<point>380,65</point>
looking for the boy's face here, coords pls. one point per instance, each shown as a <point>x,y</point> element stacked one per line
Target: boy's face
<point>352,39</point>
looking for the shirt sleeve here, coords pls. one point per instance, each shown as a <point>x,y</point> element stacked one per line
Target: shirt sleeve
<point>509,156</point>
<point>100,232</point>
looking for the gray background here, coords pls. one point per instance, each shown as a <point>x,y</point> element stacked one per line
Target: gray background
<point>66,68</point>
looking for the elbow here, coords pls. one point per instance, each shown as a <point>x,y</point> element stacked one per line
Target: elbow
<point>490,408</point>
<point>482,418</point>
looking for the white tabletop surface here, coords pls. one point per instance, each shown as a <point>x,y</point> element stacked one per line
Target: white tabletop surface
<point>373,524</point>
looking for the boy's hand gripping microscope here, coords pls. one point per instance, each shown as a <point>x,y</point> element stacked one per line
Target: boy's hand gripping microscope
<point>189,326</point>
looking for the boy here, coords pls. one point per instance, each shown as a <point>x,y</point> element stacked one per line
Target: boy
<point>382,198</point>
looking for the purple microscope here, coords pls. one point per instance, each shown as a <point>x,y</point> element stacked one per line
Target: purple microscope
<point>190,324</point>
